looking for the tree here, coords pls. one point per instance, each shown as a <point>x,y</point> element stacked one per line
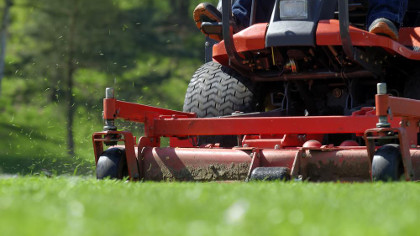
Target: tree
<point>151,55</point>
<point>3,36</point>
<point>69,35</point>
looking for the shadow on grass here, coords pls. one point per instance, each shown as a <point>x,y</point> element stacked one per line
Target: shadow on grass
<point>25,150</point>
<point>24,130</point>
<point>15,164</point>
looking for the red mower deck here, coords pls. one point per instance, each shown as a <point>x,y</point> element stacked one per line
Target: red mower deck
<point>305,158</point>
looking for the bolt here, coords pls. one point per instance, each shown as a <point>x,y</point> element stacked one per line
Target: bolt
<point>299,178</point>
<point>381,88</point>
<point>383,122</point>
<point>109,93</point>
<point>302,137</point>
<point>337,93</point>
<point>277,147</point>
<point>404,123</point>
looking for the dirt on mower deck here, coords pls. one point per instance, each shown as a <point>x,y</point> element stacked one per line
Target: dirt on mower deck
<point>213,172</point>
<point>347,171</point>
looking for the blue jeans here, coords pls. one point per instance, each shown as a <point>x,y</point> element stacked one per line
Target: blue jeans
<point>393,10</point>
<point>241,9</point>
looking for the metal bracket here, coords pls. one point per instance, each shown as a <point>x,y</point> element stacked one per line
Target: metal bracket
<point>351,52</point>
<point>400,134</point>
<point>255,162</point>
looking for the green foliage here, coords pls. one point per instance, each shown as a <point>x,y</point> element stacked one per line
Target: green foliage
<point>133,35</point>
<point>147,50</point>
<point>33,137</point>
<point>75,206</point>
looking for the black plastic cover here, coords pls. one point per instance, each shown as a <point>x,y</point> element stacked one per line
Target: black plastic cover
<point>298,32</point>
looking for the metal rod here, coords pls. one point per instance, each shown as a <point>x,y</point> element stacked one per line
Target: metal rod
<point>343,16</point>
<point>228,33</point>
<point>253,12</point>
<point>382,120</point>
<point>109,124</point>
<point>316,75</point>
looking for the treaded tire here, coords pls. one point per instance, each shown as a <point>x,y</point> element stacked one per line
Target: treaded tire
<point>112,164</point>
<point>387,163</point>
<point>216,90</point>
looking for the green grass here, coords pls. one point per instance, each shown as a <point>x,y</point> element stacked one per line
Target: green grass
<point>34,140</point>
<point>33,135</point>
<point>76,206</point>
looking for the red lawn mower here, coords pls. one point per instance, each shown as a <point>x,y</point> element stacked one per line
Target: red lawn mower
<point>306,96</point>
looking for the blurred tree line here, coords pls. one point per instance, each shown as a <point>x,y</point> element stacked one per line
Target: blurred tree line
<point>66,52</point>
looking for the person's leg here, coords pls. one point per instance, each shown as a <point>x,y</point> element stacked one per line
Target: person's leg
<point>393,10</point>
<point>241,10</point>
<point>386,16</point>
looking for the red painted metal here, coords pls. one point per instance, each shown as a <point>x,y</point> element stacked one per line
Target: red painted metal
<point>261,134</point>
<point>184,127</point>
<point>147,161</point>
<point>136,112</point>
<point>279,141</point>
<point>312,144</point>
<point>201,164</point>
<point>328,34</point>
<point>403,107</point>
<point>406,134</point>
<point>349,143</point>
<point>168,123</point>
<point>249,39</point>
<point>408,109</point>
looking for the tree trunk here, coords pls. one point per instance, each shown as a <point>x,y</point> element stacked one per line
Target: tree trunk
<point>181,11</point>
<point>70,73</point>
<point>3,37</point>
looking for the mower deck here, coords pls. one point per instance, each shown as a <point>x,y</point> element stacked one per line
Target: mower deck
<point>290,142</point>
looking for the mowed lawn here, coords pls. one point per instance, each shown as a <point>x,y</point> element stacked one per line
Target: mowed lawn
<point>85,206</point>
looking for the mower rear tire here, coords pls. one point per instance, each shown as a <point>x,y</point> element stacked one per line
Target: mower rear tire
<point>387,163</point>
<point>216,90</point>
<point>112,164</point>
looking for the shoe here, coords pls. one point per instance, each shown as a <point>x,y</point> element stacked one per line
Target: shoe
<point>385,27</point>
<point>205,12</point>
